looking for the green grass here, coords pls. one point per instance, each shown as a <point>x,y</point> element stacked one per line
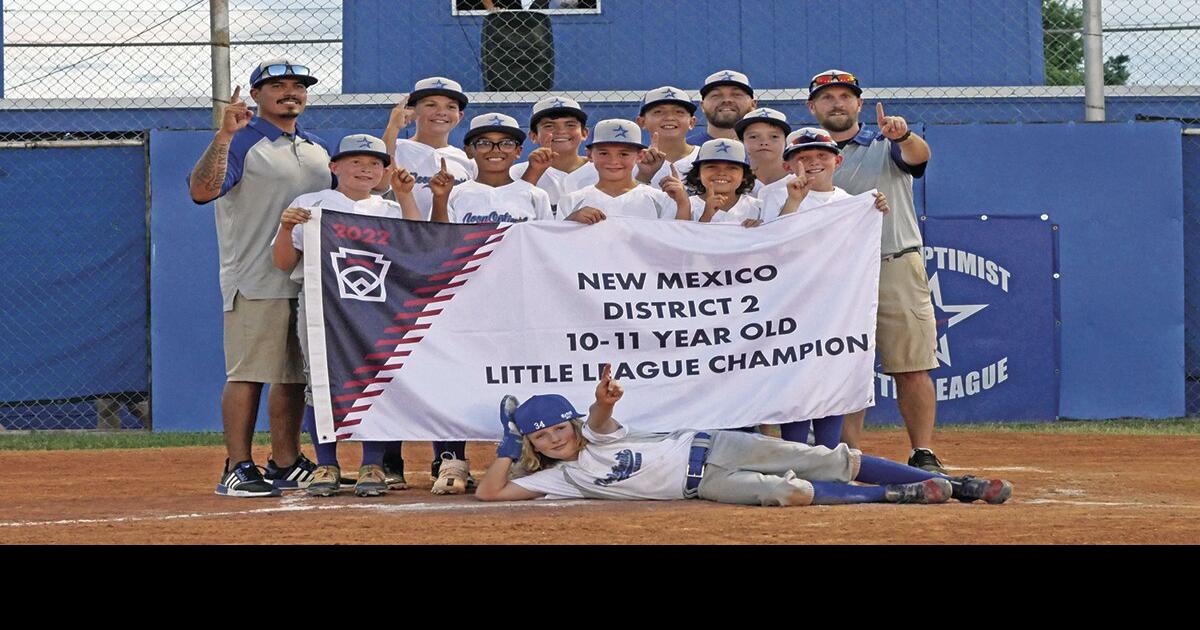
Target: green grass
<point>73,440</point>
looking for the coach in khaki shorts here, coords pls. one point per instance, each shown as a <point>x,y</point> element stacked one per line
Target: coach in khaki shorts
<point>253,168</point>
<point>887,159</point>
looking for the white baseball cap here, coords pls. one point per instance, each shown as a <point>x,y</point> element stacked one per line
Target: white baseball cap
<point>556,106</point>
<point>362,144</point>
<point>617,131</point>
<point>763,115</point>
<point>809,138</point>
<point>667,94</point>
<point>726,77</point>
<point>494,122</point>
<point>721,150</point>
<point>437,86</point>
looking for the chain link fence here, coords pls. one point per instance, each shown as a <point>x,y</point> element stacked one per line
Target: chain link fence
<point>84,79</point>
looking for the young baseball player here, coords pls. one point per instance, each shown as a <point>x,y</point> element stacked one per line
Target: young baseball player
<point>435,107</point>
<point>558,125</point>
<point>667,114</point>
<point>602,459</point>
<point>764,132</point>
<point>615,149</point>
<point>360,165</point>
<point>722,180</point>
<point>493,196</point>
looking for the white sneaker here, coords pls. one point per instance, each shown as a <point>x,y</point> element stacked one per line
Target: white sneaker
<point>453,477</point>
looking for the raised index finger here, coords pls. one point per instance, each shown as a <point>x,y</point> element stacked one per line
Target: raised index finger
<point>605,372</point>
<point>237,95</point>
<point>674,173</point>
<point>443,165</point>
<point>879,117</point>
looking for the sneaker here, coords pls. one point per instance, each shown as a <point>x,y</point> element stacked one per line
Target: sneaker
<point>393,473</point>
<point>969,488</point>
<point>435,470</point>
<point>245,480</point>
<point>298,475</point>
<point>936,490</point>
<point>453,476</point>
<point>325,482</point>
<point>924,459</point>
<point>371,481</point>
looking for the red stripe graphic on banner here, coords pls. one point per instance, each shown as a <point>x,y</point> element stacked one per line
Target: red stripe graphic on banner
<point>406,328</point>
<point>447,276</point>
<point>400,316</point>
<point>344,436</point>
<point>387,355</point>
<point>366,381</point>
<point>392,342</point>
<point>463,261</point>
<point>377,368</point>
<point>420,301</point>
<point>484,234</point>
<point>345,411</point>
<point>341,424</point>
<point>438,287</point>
<point>347,397</point>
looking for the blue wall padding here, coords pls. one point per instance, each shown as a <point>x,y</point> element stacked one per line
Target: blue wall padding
<point>1117,191</point>
<point>778,43</point>
<point>1191,266</point>
<point>73,299</point>
<point>186,322</point>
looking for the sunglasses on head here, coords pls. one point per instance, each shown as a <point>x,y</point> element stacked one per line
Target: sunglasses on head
<point>834,77</point>
<point>282,70</point>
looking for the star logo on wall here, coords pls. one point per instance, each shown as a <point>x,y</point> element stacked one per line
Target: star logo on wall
<point>958,313</point>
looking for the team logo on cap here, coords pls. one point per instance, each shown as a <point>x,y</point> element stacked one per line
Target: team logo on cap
<point>439,84</point>
<point>558,102</point>
<point>727,76</point>
<point>360,274</point>
<point>723,147</point>
<point>621,132</point>
<point>808,136</point>
<point>365,143</point>
<point>496,120</point>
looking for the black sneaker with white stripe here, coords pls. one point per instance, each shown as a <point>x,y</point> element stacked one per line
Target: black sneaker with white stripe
<point>298,475</point>
<point>245,480</point>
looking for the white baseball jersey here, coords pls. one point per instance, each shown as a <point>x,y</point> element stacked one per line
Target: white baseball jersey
<point>773,200</point>
<point>557,183</point>
<point>683,165</point>
<point>473,202</point>
<point>619,465</point>
<point>642,201</point>
<point>424,161</point>
<point>747,207</point>
<point>331,199</point>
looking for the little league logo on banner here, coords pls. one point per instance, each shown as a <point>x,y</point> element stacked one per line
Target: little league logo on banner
<point>994,285</point>
<point>417,330</point>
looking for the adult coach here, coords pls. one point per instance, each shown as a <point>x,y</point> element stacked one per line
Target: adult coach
<point>887,159</point>
<point>725,98</point>
<point>255,166</point>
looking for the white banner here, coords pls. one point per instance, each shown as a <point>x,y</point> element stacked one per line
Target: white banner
<point>706,325</point>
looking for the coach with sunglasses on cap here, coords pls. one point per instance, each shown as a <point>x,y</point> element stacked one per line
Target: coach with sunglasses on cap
<point>887,158</point>
<point>254,167</point>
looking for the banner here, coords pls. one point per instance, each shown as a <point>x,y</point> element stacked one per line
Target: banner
<point>416,329</point>
<point>994,284</point>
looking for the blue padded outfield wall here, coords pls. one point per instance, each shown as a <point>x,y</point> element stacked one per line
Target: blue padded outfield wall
<point>79,273</point>
<point>942,42</point>
<point>1121,258</point>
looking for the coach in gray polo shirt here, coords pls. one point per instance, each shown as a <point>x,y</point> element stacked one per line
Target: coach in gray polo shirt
<point>253,168</point>
<point>887,159</point>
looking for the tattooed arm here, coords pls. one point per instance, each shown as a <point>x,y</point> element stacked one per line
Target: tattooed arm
<point>209,172</point>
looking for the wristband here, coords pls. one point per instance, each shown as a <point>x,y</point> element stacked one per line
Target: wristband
<point>906,136</point>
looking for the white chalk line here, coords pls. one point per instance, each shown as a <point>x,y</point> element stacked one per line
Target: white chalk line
<point>293,505</point>
<point>1109,504</point>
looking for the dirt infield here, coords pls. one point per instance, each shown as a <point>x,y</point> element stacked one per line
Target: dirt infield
<point>1068,489</point>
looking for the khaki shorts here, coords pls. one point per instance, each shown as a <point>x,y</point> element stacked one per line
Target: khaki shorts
<point>260,341</point>
<point>905,333</point>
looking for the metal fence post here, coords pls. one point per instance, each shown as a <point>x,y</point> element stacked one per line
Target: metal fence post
<point>1093,62</point>
<point>218,11</point>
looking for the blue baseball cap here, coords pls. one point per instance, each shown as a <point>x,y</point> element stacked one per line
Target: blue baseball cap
<point>281,68</point>
<point>543,410</point>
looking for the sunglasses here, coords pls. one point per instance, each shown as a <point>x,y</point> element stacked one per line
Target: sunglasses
<point>833,77</point>
<point>507,145</point>
<point>282,70</point>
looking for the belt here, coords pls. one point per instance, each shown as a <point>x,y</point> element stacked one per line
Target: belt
<point>696,458</point>
<point>903,252</point>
